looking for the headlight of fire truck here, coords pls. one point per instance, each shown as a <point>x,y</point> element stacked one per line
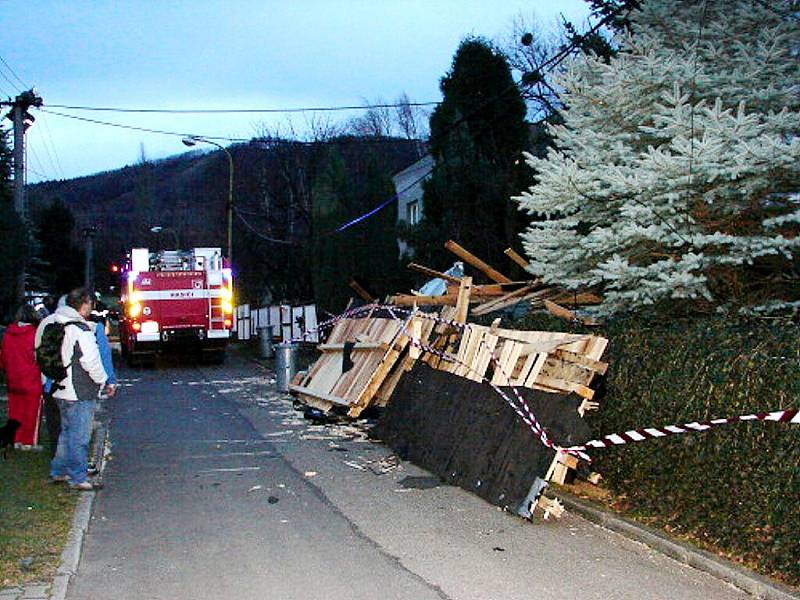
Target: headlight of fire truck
<point>134,305</point>
<point>227,307</point>
<point>134,310</point>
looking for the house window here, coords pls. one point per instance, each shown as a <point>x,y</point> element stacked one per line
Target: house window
<point>412,211</point>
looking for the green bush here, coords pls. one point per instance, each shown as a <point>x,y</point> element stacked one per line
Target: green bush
<point>735,488</point>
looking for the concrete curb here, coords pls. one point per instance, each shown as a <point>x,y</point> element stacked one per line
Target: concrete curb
<point>743,578</point>
<point>71,555</point>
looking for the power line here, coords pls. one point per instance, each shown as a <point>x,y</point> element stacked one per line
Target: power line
<point>8,66</point>
<point>189,111</point>
<point>13,85</point>
<point>53,145</point>
<point>143,129</point>
<point>255,140</point>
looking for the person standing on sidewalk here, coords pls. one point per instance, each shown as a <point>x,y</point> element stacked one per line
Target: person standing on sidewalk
<point>77,394</point>
<point>18,361</point>
<point>52,414</point>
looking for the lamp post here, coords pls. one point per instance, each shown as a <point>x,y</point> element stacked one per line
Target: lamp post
<point>194,140</point>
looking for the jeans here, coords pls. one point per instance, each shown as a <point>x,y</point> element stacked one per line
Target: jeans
<point>72,454</point>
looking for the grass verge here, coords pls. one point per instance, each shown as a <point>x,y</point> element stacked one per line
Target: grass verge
<point>35,516</point>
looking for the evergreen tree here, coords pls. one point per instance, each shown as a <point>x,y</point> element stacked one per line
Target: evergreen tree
<point>478,133</point>
<point>331,260</point>
<point>13,234</point>
<point>675,173</point>
<point>366,251</point>
<point>60,257</point>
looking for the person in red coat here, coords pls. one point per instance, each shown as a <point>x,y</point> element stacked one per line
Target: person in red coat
<point>23,378</point>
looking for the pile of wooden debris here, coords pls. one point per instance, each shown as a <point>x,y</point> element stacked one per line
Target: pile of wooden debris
<point>364,358</point>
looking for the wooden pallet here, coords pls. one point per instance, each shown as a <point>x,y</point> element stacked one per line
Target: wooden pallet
<point>379,344</point>
<point>544,360</point>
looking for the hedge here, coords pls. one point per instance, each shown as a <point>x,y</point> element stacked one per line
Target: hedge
<point>735,489</point>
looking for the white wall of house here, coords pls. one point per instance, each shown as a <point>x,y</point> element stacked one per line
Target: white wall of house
<point>408,185</point>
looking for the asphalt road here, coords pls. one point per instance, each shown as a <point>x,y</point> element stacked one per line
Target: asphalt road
<point>217,489</point>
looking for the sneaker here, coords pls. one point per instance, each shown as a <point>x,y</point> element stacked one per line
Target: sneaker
<point>92,469</point>
<point>85,486</point>
<point>59,479</point>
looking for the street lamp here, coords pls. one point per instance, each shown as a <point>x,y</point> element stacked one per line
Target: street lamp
<point>193,141</point>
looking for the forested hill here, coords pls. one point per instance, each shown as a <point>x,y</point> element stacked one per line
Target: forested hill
<point>187,195</point>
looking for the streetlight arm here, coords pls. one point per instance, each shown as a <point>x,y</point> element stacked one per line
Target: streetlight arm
<point>191,141</point>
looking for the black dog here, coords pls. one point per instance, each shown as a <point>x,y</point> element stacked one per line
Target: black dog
<point>7,433</point>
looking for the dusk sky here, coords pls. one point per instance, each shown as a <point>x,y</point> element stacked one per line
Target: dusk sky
<point>235,54</point>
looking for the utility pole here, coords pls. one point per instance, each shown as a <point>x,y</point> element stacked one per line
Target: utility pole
<point>88,267</point>
<point>22,119</point>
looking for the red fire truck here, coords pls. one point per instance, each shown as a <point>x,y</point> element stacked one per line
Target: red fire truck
<point>180,298</point>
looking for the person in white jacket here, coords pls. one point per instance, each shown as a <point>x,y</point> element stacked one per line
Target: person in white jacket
<point>77,393</point>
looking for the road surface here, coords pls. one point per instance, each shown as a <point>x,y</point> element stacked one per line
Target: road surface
<point>216,488</point>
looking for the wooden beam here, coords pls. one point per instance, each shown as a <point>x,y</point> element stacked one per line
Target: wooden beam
<point>322,396</point>
<point>568,315</point>
<point>364,294</point>
<point>503,301</point>
<point>584,361</point>
<point>484,293</point>
<point>476,262</point>
<point>514,256</point>
<point>576,299</point>
<point>410,300</point>
<point>357,346</point>
<point>462,303</point>
<point>433,273</point>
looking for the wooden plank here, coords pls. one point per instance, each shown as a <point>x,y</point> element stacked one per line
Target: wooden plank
<point>467,362</point>
<point>329,373</point>
<point>462,304</point>
<point>589,363</point>
<point>514,256</point>
<point>541,358</point>
<point>433,273</point>
<point>580,299</point>
<point>357,346</point>
<point>503,374</point>
<point>317,403</point>
<point>562,386</point>
<point>568,371</point>
<point>384,393</point>
<point>530,362</point>
<point>364,294</point>
<point>416,336</point>
<point>568,315</point>
<point>481,364</point>
<point>321,396</point>
<point>374,382</point>
<point>412,300</point>
<point>476,262</point>
<point>503,301</point>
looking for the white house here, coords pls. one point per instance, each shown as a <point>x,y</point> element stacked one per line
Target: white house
<point>408,186</point>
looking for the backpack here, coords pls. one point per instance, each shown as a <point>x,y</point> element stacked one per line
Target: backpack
<point>48,354</point>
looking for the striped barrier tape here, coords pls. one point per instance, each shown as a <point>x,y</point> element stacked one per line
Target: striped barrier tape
<point>790,415</point>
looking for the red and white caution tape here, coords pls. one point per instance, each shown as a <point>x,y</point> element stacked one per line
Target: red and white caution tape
<point>790,415</point>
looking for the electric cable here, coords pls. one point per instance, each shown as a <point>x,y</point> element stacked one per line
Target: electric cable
<point>191,111</point>
<point>8,66</point>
